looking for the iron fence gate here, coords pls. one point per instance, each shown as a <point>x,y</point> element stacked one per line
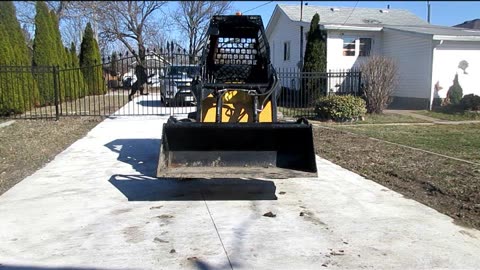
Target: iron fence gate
<point>159,86</point>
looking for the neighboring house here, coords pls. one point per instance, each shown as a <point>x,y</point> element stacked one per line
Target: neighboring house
<point>427,56</point>
<point>155,64</point>
<point>473,24</point>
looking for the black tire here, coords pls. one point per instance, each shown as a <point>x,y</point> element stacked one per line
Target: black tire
<point>167,102</point>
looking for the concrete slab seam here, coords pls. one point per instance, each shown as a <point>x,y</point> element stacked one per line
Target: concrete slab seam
<point>218,233</point>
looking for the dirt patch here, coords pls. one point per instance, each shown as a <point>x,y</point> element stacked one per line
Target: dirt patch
<point>449,186</point>
<point>27,145</point>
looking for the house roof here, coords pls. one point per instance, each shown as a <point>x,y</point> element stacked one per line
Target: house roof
<point>441,32</point>
<point>372,19</point>
<point>356,16</point>
<point>152,61</point>
<point>473,24</point>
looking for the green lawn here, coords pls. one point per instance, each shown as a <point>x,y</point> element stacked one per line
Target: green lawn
<point>451,115</point>
<point>461,141</point>
<point>387,118</point>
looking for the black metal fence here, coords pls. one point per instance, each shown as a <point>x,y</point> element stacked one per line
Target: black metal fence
<point>119,86</point>
<point>301,90</point>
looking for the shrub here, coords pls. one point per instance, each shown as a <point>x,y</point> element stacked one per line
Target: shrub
<point>379,77</point>
<point>470,102</point>
<point>340,108</point>
<point>455,92</point>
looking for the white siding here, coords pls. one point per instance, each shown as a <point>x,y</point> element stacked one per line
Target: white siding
<point>446,59</point>
<point>335,58</point>
<point>413,54</point>
<point>285,30</point>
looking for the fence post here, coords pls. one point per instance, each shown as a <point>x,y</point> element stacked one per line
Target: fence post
<point>360,88</point>
<point>56,91</point>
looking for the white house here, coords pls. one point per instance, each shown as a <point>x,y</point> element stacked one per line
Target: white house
<point>427,56</point>
<point>155,64</point>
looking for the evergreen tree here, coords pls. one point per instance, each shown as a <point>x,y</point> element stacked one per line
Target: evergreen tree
<point>68,88</point>
<point>6,88</point>
<point>44,53</point>
<point>315,59</point>
<point>77,74</point>
<point>65,87</point>
<point>18,89</point>
<point>57,40</point>
<point>73,55</point>
<point>114,64</point>
<point>68,56</point>
<point>455,92</point>
<point>90,63</point>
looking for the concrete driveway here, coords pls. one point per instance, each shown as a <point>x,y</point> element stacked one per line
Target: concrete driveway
<point>98,206</point>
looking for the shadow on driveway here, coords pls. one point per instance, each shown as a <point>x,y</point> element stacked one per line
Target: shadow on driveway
<point>151,103</point>
<point>143,154</point>
<point>141,188</point>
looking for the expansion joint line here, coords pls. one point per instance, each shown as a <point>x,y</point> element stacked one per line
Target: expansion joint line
<point>218,234</point>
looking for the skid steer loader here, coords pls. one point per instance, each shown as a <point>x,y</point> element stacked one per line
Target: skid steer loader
<point>235,132</point>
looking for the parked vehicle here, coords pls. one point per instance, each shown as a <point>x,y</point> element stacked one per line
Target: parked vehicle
<point>176,85</point>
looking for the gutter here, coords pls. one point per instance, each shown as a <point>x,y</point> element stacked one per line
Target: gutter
<point>456,38</point>
<point>355,28</point>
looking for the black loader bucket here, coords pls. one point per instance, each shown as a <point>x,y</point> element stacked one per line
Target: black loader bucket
<point>236,150</point>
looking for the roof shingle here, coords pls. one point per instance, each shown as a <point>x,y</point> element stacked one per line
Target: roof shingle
<point>357,16</point>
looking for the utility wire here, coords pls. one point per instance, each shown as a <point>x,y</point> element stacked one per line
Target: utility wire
<point>350,13</point>
<point>257,7</point>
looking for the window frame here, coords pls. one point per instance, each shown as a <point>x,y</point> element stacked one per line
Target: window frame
<point>286,51</point>
<point>357,45</point>
<point>354,45</point>
<point>360,46</point>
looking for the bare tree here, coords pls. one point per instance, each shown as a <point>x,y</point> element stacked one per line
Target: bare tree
<point>192,18</point>
<point>379,77</point>
<point>128,22</point>
<point>72,17</point>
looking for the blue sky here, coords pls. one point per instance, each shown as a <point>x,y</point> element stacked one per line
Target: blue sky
<point>447,13</point>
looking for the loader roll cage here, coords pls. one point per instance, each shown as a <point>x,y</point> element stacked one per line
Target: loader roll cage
<point>235,123</point>
<point>237,57</point>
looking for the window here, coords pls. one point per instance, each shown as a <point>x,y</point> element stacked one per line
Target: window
<point>365,47</point>
<point>348,46</point>
<point>357,46</point>
<point>286,51</point>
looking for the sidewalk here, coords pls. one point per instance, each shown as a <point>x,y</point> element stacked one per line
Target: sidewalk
<point>413,113</point>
